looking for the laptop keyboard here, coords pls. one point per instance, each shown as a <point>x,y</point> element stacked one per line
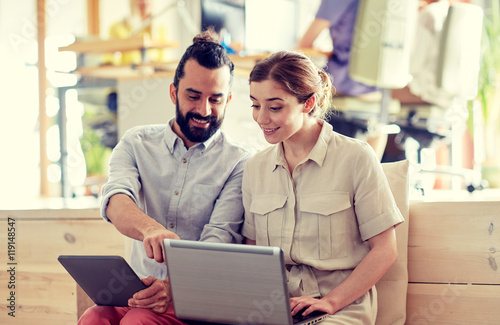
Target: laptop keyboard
<point>299,318</point>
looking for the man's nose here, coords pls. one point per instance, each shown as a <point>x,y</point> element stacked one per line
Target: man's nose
<point>205,108</point>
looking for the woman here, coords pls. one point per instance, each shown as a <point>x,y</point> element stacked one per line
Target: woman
<point>320,196</point>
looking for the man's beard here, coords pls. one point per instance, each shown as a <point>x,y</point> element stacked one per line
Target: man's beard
<point>195,134</point>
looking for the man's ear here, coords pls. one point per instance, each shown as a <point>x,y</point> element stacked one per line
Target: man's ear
<point>229,97</point>
<point>173,94</point>
<point>309,104</point>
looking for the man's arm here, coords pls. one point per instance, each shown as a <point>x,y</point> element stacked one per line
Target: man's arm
<point>227,215</point>
<point>312,33</point>
<point>132,222</point>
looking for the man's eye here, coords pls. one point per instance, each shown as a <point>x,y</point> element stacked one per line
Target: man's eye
<point>194,97</point>
<point>216,100</point>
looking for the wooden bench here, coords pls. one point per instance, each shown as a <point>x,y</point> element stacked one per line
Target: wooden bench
<point>453,257</point>
<point>452,262</point>
<point>44,292</point>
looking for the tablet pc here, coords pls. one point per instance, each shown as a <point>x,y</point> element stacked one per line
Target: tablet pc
<point>107,280</point>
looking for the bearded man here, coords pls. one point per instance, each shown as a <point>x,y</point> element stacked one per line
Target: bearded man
<point>181,180</point>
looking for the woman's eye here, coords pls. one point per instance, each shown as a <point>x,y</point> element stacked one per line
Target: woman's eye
<point>274,108</point>
<point>255,106</point>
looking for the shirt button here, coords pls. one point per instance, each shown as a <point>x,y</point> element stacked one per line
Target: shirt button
<point>176,192</point>
<point>171,225</point>
<point>184,160</point>
<point>203,152</point>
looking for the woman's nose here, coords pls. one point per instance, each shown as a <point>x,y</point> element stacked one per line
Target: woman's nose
<point>260,116</point>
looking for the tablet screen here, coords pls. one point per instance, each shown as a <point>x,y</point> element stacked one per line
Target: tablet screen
<point>107,280</point>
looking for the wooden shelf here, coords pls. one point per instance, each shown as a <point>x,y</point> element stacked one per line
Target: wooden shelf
<point>116,45</point>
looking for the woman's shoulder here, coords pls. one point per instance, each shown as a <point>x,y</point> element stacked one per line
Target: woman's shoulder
<point>263,157</point>
<point>345,142</point>
<point>355,152</point>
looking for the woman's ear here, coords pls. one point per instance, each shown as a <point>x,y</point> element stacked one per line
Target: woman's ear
<point>309,104</point>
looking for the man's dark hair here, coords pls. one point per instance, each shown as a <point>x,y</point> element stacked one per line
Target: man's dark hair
<point>208,52</point>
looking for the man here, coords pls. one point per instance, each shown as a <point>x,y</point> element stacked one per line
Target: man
<point>181,180</point>
<point>339,16</point>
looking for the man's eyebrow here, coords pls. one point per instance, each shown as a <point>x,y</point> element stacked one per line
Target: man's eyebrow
<point>191,90</point>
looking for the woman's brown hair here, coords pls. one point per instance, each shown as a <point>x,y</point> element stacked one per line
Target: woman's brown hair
<point>299,76</point>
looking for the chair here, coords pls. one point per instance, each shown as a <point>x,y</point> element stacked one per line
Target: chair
<point>392,288</point>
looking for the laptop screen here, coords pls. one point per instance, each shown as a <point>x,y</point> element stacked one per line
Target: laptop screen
<point>227,283</point>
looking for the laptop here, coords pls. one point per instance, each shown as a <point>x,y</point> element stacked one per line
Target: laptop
<point>230,284</point>
<point>107,280</point>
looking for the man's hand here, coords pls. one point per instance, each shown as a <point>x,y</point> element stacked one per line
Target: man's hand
<point>153,242</point>
<point>156,297</point>
<point>134,223</point>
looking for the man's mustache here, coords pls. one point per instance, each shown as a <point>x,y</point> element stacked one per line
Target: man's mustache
<point>210,118</point>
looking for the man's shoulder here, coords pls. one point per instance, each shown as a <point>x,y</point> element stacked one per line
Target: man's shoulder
<point>150,132</point>
<point>239,149</point>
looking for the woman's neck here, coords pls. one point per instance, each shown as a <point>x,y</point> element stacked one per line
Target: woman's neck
<point>298,147</point>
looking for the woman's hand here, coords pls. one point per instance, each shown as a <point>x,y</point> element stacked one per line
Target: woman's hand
<point>311,304</point>
<point>156,297</point>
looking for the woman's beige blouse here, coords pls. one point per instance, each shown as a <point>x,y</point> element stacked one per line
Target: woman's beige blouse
<point>322,217</point>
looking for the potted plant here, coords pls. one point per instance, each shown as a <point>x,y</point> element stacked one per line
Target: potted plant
<point>489,93</point>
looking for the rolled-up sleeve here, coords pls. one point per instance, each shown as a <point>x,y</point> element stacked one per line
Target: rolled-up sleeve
<point>375,207</point>
<point>123,175</point>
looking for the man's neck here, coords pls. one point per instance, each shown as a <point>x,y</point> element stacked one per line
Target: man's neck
<point>177,130</point>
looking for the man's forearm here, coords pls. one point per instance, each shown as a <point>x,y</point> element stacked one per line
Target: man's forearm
<point>128,218</point>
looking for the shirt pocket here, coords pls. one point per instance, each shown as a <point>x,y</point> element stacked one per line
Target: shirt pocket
<point>268,215</point>
<point>323,225</point>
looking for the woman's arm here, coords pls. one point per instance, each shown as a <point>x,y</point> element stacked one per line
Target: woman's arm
<point>383,254</point>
